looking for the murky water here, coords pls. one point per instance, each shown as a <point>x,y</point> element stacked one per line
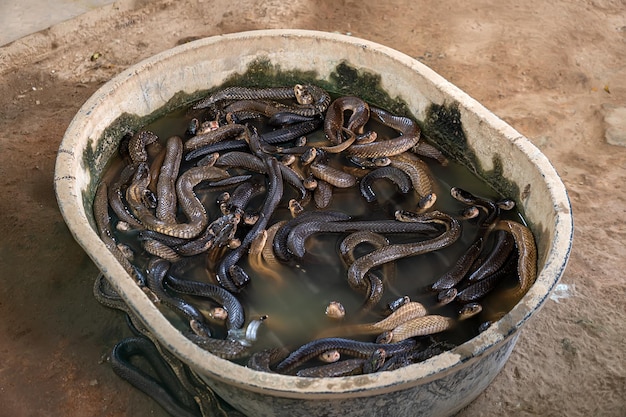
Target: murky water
<point>295,295</point>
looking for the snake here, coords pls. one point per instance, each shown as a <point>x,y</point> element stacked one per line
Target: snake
<point>224,273</point>
<point>375,287</point>
<point>117,198</point>
<point>241,110</point>
<point>333,176</point>
<point>166,389</point>
<point>377,149</point>
<point>356,366</point>
<point>264,359</point>
<point>157,270</point>
<point>344,346</point>
<point>280,242</point>
<point>393,174</point>
<point>284,118</point>
<point>421,326</point>
<point>191,206</point>
<point>491,210</point>
<point>409,136</point>
<point>323,194</point>
<point>429,151</point>
<point>297,237</point>
<point>522,236</point>
<point>478,290</point>
<point>267,252</point>
<point>415,356</point>
<point>220,232</point>
<point>218,147</point>
<point>235,346</point>
<point>404,313</point>
<point>166,184</point>
<point>103,224</point>
<point>312,100</point>
<point>334,118</point>
<point>257,260</point>
<point>350,242</point>
<point>503,245</point>
<point>155,169</point>
<point>229,302</point>
<point>206,400</point>
<point>459,269</point>
<point>390,253</point>
<point>255,164</point>
<point>224,132</point>
<point>242,195</point>
<point>238,342</point>
<point>291,132</point>
<point>246,93</point>
<point>137,145</point>
<point>420,177</point>
<point>307,152</point>
<point>160,249</point>
<point>527,255</point>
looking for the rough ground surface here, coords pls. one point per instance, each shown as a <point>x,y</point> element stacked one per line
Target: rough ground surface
<point>553,70</point>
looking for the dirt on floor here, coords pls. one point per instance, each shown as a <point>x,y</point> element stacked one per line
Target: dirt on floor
<point>556,71</point>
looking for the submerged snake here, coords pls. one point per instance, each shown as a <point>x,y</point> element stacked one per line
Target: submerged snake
<point>301,232</point>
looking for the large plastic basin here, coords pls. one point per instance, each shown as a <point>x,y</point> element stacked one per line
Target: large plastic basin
<point>439,386</point>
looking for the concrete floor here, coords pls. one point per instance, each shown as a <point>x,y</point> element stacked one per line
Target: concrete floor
<point>19,18</point>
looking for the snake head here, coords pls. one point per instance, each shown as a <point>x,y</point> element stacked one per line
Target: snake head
<point>446,296</point>
<point>330,356</point>
<point>505,204</point>
<point>303,94</point>
<point>462,195</point>
<point>469,310</point>
<point>375,361</point>
<point>398,302</point>
<point>335,310</point>
<point>385,337</point>
<point>149,199</point>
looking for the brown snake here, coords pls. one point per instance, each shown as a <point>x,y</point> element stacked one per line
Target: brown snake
<point>403,314</point>
<point>421,326</point>
<point>390,253</point>
<point>527,255</point>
